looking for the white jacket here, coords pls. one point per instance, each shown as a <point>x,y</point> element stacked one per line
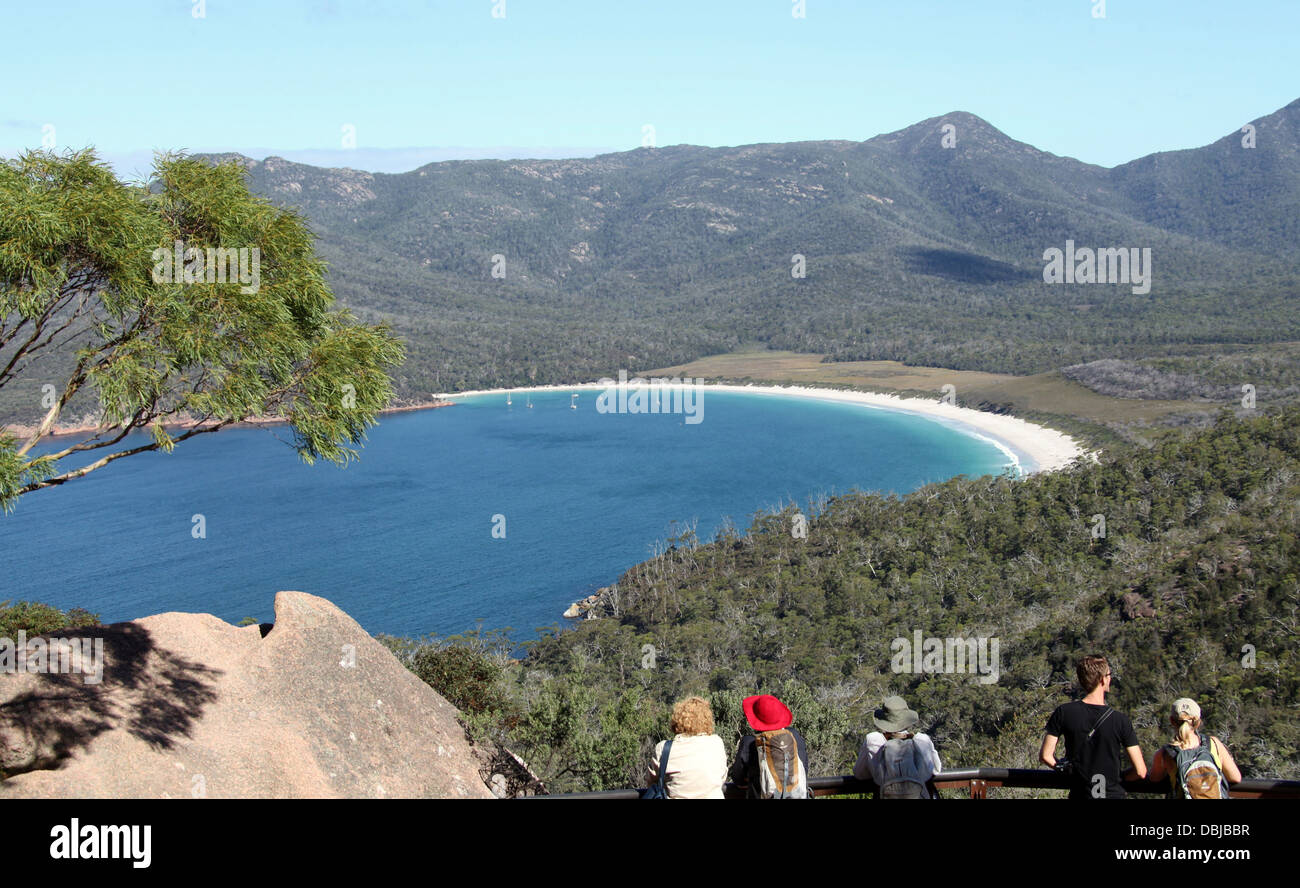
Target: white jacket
<point>697,767</point>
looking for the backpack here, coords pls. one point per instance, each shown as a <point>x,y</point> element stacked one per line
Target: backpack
<point>780,770</point>
<point>902,771</point>
<point>1197,772</point>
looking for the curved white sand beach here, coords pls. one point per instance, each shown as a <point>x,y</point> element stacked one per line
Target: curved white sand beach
<point>1034,448</point>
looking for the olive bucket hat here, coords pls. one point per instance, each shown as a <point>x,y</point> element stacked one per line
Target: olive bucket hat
<point>895,716</point>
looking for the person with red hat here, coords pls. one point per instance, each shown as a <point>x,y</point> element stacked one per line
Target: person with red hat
<point>773,761</point>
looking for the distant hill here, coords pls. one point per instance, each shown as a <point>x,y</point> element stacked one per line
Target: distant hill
<point>914,251</point>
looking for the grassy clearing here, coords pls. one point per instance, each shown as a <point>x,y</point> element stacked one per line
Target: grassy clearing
<point>1048,397</point>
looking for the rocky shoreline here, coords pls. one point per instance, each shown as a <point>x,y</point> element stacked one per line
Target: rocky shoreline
<point>600,603</point>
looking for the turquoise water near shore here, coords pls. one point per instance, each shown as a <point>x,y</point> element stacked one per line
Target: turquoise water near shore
<point>403,540</point>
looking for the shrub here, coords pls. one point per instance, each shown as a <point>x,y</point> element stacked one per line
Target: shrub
<point>35,618</point>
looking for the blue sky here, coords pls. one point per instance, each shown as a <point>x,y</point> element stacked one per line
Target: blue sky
<point>424,81</point>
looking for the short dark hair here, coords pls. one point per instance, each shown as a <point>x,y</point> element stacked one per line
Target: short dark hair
<point>1090,671</point>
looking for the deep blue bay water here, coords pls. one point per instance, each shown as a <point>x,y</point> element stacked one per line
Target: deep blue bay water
<point>402,540</point>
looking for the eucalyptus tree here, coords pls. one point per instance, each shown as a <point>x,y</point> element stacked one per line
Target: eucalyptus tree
<point>175,308</point>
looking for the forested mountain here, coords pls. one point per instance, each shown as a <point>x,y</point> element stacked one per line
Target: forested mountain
<point>1243,198</point>
<point>924,246</point>
<point>915,252</point>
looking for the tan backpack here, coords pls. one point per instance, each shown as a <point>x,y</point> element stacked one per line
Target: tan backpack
<point>780,771</point>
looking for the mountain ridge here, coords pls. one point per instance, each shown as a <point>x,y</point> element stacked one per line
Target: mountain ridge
<point>910,251</point>
<point>965,117</point>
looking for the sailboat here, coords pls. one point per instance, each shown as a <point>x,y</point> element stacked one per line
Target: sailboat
<point>573,402</point>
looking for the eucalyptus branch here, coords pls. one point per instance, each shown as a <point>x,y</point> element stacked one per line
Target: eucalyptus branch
<point>184,348</point>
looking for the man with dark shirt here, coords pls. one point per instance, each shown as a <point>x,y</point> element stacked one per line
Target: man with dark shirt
<point>1094,734</point>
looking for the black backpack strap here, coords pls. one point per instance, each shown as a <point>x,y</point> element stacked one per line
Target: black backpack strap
<point>1105,715</point>
<point>663,763</point>
<point>1084,758</point>
<point>1171,763</point>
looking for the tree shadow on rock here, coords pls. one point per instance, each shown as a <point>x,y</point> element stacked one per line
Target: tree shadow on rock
<point>152,693</point>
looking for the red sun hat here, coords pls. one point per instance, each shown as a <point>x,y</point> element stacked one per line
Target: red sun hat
<point>766,713</point>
